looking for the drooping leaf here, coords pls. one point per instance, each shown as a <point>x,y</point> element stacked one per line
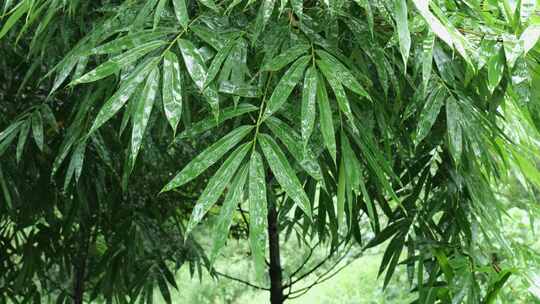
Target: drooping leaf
<point>209,122</point>
<point>402,25</point>
<point>495,70</point>
<point>216,185</point>
<point>453,121</point>
<point>336,70</point>
<point>326,120</point>
<point>285,86</point>
<point>127,88</point>
<point>285,58</point>
<point>265,12</point>
<point>23,135</point>
<point>232,199</point>
<point>309,96</point>
<point>208,157</point>
<point>172,89</point>
<point>292,141</point>
<point>284,173</point>
<point>142,112</point>
<point>118,62</point>
<point>37,129</point>
<point>257,213</point>
<point>180,10</point>
<point>427,60</point>
<point>429,114</point>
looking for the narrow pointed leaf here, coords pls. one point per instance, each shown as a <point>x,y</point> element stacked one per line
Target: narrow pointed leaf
<point>453,118</point>
<point>284,173</point>
<point>142,112</point>
<point>216,185</point>
<point>23,135</point>
<point>292,141</point>
<point>116,63</point>
<point>127,88</point>
<point>180,10</point>
<point>37,129</point>
<point>338,71</point>
<point>286,57</point>
<point>265,12</point>
<point>232,199</point>
<point>402,25</point>
<point>309,96</point>
<point>285,86</point>
<point>427,60</point>
<point>208,157</point>
<point>326,120</point>
<point>257,214</point>
<point>172,90</point>
<point>429,114</point>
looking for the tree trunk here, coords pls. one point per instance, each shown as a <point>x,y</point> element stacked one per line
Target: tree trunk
<point>80,268</point>
<point>276,280</point>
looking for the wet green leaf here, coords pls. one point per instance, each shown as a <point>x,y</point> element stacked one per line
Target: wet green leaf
<point>292,141</point>
<point>234,197</point>
<point>402,24</point>
<point>309,96</point>
<point>285,86</point>
<point>208,157</point>
<point>180,10</point>
<point>142,112</point>
<point>127,88</point>
<point>216,185</point>
<point>284,173</point>
<point>326,120</point>
<point>118,62</point>
<point>258,211</point>
<point>172,89</point>
<point>429,114</point>
<point>286,57</point>
<point>37,129</point>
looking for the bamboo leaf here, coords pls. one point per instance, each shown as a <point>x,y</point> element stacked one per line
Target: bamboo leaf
<point>429,114</point>
<point>427,60</point>
<point>180,10</point>
<point>257,213</point>
<point>116,63</point>
<point>453,121</point>
<point>127,88</point>
<point>285,58</point>
<point>335,70</point>
<point>309,96</point>
<point>292,141</point>
<point>142,112</point>
<point>210,123</point>
<point>194,62</point>
<point>232,199</point>
<point>284,173</point>
<point>172,89</point>
<point>402,25</point>
<point>23,135</point>
<point>286,86</point>
<point>326,120</point>
<point>495,70</point>
<point>265,12</point>
<point>208,157</point>
<point>217,62</point>
<point>19,11</point>
<point>37,129</point>
<point>216,185</point>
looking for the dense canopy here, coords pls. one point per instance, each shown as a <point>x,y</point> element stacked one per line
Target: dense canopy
<point>125,124</point>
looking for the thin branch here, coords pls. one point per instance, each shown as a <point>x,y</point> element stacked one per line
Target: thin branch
<point>238,280</point>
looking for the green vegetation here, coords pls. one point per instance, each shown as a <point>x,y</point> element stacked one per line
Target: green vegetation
<point>287,146</point>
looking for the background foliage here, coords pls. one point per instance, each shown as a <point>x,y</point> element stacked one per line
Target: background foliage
<point>360,123</point>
